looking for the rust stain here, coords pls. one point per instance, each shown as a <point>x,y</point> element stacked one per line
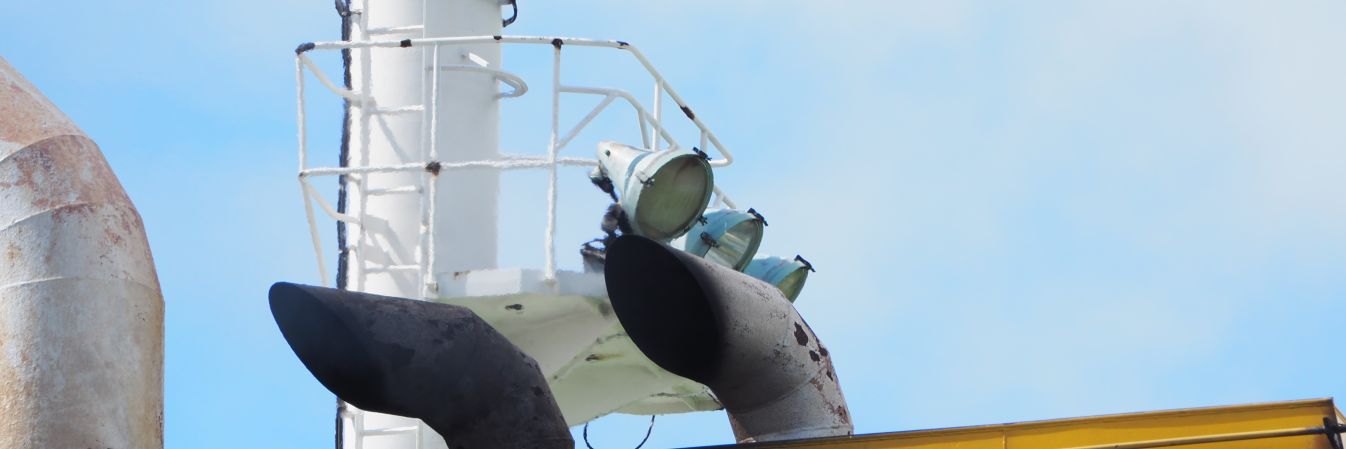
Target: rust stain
<point>842,413</point>
<point>65,169</point>
<point>58,170</point>
<point>597,357</point>
<point>70,212</point>
<point>817,383</point>
<point>26,115</point>
<point>112,236</point>
<point>800,336</point>
<point>68,176</point>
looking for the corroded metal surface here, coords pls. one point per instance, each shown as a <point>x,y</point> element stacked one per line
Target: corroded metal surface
<point>437,362</point>
<point>737,335</point>
<point>81,315</point>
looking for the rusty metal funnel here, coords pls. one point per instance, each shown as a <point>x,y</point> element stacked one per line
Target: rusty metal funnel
<point>436,362</point>
<point>81,315</point>
<point>737,335</point>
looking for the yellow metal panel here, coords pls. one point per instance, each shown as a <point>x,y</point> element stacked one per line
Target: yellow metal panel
<point>1233,426</point>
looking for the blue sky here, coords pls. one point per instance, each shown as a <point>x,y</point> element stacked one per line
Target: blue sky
<point>1018,211</point>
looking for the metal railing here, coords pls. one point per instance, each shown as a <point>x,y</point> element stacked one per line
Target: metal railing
<point>357,420</point>
<point>652,131</point>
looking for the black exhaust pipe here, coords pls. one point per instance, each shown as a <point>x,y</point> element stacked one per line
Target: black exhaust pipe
<point>437,362</point>
<point>737,335</point>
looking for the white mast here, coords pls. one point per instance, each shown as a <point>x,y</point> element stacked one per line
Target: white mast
<point>422,186</point>
<point>459,229</point>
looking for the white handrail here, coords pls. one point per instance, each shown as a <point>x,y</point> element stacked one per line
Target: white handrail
<point>660,82</point>
<point>520,87</point>
<point>651,134</point>
<point>641,114</point>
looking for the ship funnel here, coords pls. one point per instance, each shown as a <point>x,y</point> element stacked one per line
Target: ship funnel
<point>662,192</point>
<point>737,335</point>
<point>436,362</point>
<point>81,314</point>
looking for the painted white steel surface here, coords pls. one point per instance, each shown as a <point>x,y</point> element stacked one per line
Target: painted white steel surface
<point>81,315</point>
<point>467,128</point>
<point>403,237</point>
<point>568,326</point>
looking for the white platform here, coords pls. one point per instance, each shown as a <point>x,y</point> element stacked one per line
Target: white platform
<point>568,326</point>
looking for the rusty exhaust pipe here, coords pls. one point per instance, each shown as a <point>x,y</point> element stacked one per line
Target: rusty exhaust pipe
<point>437,362</point>
<point>737,335</point>
<point>81,314</point>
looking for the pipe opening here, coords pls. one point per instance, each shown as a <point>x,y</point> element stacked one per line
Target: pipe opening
<point>437,362</point>
<point>326,345</point>
<point>662,306</point>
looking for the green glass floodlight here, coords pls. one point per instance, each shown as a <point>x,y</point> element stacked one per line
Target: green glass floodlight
<point>727,237</point>
<point>788,275</point>
<point>662,192</point>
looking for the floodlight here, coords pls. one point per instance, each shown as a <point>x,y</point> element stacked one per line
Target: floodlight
<point>662,192</point>
<point>788,275</point>
<point>727,237</point>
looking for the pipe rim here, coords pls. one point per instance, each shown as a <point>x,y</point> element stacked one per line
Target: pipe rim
<point>673,324</point>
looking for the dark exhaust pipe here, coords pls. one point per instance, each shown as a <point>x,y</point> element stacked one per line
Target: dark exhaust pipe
<point>737,335</point>
<point>440,363</point>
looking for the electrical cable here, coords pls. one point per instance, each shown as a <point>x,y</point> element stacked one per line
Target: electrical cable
<point>511,19</point>
<point>638,446</point>
<point>343,9</point>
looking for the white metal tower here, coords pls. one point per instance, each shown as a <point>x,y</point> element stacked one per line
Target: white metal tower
<point>420,209</point>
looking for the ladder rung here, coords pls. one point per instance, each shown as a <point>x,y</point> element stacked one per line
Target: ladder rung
<point>395,30</point>
<point>388,268</point>
<point>393,190</point>
<point>399,110</point>
<point>390,431</point>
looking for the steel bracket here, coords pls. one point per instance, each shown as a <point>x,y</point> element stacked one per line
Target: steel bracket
<point>1332,430</point>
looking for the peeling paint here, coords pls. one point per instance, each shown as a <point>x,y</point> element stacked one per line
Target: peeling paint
<point>801,337</point>
<point>601,357</point>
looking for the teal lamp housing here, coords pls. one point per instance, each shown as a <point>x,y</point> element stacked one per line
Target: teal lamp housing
<point>727,237</point>
<point>788,275</point>
<point>662,192</point>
